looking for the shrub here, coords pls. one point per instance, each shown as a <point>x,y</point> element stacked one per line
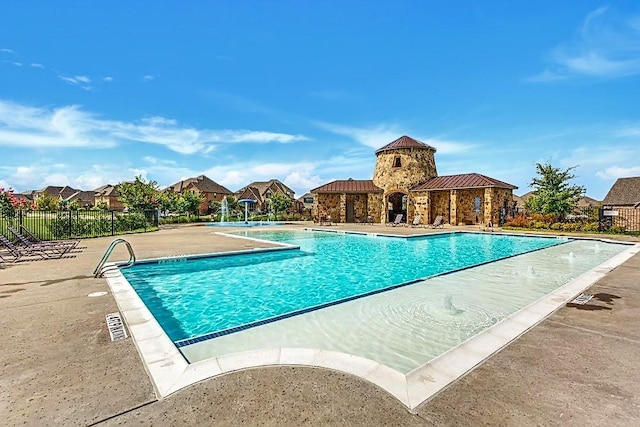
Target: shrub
<point>556,226</point>
<point>519,221</point>
<point>617,229</point>
<point>590,227</point>
<point>570,226</point>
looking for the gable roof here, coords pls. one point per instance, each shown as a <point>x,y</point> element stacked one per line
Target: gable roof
<point>467,180</point>
<point>348,186</point>
<point>263,186</point>
<point>404,142</point>
<point>625,191</point>
<point>106,190</point>
<point>202,183</point>
<point>250,193</point>
<point>84,196</point>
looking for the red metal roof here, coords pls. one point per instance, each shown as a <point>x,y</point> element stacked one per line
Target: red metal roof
<point>348,186</point>
<point>404,142</point>
<point>467,180</point>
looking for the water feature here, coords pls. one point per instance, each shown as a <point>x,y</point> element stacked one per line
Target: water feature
<point>224,209</point>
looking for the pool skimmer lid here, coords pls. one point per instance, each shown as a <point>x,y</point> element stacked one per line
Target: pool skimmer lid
<point>116,327</point>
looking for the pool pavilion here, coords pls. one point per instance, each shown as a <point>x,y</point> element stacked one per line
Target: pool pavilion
<point>405,181</point>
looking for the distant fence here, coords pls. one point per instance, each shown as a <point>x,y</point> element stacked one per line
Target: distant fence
<point>52,225</point>
<point>603,219</point>
<point>622,218</point>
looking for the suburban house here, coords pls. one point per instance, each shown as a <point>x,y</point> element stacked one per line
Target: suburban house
<point>405,182</point>
<point>261,192</point>
<point>65,195</point>
<point>306,201</point>
<point>108,195</point>
<point>209,189</point>
<point>622,203</point>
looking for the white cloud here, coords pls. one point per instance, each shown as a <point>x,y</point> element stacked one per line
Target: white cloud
<point>584,156</point>
<point>5,50</point>
<point>5,185</point>
<point>605,46</point>
<point>107,79</point>
<point>70,126</point>
<point>148,77</point>
<point>36,65</point>
<point>83,79</point>
<point>302,181</point>
<point>615,172</point>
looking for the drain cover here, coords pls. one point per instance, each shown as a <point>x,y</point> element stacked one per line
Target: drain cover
<point>115,326</point>
<point>582,299</point>
<point>97,294</point>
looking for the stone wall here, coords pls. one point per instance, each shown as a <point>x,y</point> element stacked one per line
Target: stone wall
<point>465,213</point>
<point>359,206</point>
<point>440,205</point>
<point>375,204</point>
<point>417,166</point>
<point>326,205</point>
<point>496,198</point>
<point>420,202</point>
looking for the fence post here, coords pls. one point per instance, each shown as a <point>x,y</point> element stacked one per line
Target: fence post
<point>112,223</point>
<point>70,223</point>
<point>20,220</point>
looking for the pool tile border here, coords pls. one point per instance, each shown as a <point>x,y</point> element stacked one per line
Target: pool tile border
<point>169,370</point>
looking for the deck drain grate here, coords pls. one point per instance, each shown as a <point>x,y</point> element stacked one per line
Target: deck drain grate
<point>116,327</point>
<point>582,299</point>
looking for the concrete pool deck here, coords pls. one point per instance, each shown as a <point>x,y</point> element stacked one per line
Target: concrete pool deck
<point>579,366</point>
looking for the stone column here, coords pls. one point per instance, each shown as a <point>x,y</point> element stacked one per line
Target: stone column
<point>488,206</point>
<point>453,209</point>
<point>343,208</point>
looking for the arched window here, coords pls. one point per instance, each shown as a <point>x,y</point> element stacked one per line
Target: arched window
<point>397,163</point>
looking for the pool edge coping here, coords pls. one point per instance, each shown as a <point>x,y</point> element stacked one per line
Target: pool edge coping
<point>169,370</point>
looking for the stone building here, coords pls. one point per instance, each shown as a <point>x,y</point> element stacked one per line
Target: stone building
<point>405,181</point>
<point>210,190</point>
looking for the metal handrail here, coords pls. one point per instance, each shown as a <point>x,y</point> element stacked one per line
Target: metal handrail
<point>132,257</point>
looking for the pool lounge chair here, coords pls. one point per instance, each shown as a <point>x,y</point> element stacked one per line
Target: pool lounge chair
<point>437,223</point>
<point>31,236</point>
<point>24,254</point>
<point>396,222</point>
<point>55,247</point>
<point>416,221</point>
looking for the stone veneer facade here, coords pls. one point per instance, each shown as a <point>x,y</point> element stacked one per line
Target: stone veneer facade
<point>399,169</point>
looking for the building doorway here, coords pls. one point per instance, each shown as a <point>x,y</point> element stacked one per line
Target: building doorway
<point>350,211</point>
<point>396,204</point>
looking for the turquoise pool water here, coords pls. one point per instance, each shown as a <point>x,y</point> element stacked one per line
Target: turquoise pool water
<point>217,295</point>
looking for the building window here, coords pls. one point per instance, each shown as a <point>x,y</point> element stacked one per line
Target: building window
<point>308,199</point>
<point>397,162</point>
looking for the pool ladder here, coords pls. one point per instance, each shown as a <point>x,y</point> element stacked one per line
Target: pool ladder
<point>132,257</point>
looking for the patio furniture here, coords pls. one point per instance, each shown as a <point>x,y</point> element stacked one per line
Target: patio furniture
<point>22,253</point>
<point>56,247</point>
<point>31,236</point>
<point>396,222</point>
<point>437,223</point>
<point>416,221</point>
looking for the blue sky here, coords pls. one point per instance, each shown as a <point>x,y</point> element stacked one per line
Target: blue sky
<point>304,91</point>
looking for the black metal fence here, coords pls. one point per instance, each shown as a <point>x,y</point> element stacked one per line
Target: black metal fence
<point>53,225</point>
<point>606,219</point>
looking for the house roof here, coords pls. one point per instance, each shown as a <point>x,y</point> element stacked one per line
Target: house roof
<point>404,142</point>
<point>348,186</point>
<point>467,180</point>
<point>625,191</point>
<point>84,196</point>
<point>250,193</point>
<point>202,183</point>
<point>106,190</point>
<point>304,196</point>
<point>263,186</point>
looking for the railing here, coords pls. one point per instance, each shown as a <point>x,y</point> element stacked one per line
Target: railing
<point>57,225</point>
<point>132,257</point>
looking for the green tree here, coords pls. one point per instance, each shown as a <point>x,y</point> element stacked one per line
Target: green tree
<point>190,201</point>
<point>167,200</point>
<point>279,203</point>
<point>47,203</point>
<point>139,195</point>
<point>553,194</point>
<point>7,208</point>
<point>101,206</point>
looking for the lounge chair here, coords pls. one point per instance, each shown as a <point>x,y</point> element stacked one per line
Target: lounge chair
<point>31,236</point>
<point>396,222</point>
<point>55,247</point>
<point>487,227</point>
<point>437,223</point>
<point>24,254</point>
<point>326,220</point>
<point>416,221</point>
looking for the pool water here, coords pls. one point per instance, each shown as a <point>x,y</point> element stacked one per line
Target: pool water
<point>214,296</point>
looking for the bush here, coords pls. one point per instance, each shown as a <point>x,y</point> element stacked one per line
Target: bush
<point>556,226</point>
<point>617,229</point>
<point>570,226</point>
<point>519,221</point>
<point>590,227</point>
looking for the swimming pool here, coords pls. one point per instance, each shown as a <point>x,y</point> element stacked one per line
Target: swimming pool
<point>412,341</point>
<point>209,297</point>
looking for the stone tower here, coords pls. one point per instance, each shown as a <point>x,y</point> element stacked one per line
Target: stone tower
<point>403,164</point>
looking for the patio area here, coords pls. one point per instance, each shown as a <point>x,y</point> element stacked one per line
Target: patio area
<point>577,367</point>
